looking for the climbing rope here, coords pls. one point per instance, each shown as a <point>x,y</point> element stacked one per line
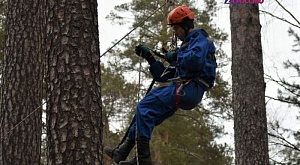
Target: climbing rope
<point>170,2</point>
<point>23,120</point>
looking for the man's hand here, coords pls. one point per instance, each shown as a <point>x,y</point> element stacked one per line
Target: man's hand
<point>143,51</point>
<point>171,56</point>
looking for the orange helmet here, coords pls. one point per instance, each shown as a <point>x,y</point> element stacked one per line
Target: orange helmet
<point>178,14</point>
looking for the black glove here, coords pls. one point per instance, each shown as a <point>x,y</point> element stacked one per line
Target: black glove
<point>171,56</point>
<point>144,51</point>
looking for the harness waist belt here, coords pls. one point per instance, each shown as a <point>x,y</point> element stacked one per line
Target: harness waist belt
<point>203,82</point>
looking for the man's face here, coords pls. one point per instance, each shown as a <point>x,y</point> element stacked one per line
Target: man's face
<point>178,31</point>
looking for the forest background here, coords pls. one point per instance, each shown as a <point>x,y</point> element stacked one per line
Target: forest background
<point>277,48</point>
<point>199,135</point>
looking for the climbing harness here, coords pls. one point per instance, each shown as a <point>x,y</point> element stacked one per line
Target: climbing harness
<point>180,83</point>
<point>206,85</point>
<point>179,92</point>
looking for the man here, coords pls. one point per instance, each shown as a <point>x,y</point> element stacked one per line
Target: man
<point>191,72</point>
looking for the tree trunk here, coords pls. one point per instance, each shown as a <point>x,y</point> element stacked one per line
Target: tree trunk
<point>250,122</point>
<point>21,92</point>
<point>73,83</point>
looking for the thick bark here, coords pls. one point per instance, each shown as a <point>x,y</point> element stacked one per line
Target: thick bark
<point>250,122</point>
<point>21,92</point>
<point>73,83</point>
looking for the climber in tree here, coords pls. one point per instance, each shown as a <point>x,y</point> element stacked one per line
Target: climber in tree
<point>191,72</point>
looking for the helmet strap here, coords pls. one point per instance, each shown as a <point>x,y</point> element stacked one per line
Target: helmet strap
<point>186,25</point>
<point>174,42</point>
<point>185,28</point>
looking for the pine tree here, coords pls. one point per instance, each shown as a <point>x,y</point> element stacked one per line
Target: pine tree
<point>250,121</point>
<point>21,84</point>
<point>74,109</point>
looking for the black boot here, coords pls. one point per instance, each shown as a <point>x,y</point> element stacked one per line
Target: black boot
<point>121,152</point>
<point>144,156</point>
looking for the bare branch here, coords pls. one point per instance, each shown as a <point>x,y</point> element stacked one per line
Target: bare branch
<point>287,143</point>
<point>276,99</point>
<point>282,19</point>
<point>287,11</point>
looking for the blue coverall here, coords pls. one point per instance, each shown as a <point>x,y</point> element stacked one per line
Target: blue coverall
<point>160,103</point>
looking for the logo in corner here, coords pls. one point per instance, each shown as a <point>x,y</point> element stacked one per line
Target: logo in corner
<point>243,1</point>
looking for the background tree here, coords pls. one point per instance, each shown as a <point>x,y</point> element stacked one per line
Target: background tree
<point>73,83</point>
<point>290,89</point>
<point>250,122</point>
<point>289,94</point>
<point>21,84</point>
<point>117,96</point>
<point>284,141</point>
<point>173,138</point>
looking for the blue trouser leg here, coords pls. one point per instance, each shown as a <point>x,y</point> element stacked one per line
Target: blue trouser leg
<point>149,113</point>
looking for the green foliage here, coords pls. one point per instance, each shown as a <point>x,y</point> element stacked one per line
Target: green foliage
<point>188,138</point>
<point>118,96</point>
<point>291,92</point>
<point>220,99</point>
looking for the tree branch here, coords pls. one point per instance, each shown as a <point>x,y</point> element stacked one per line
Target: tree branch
<point>282,19</point>
<point>287,11</point>
<point>288,144</point>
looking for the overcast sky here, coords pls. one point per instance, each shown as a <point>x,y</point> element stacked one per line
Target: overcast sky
<point>276,44</point>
